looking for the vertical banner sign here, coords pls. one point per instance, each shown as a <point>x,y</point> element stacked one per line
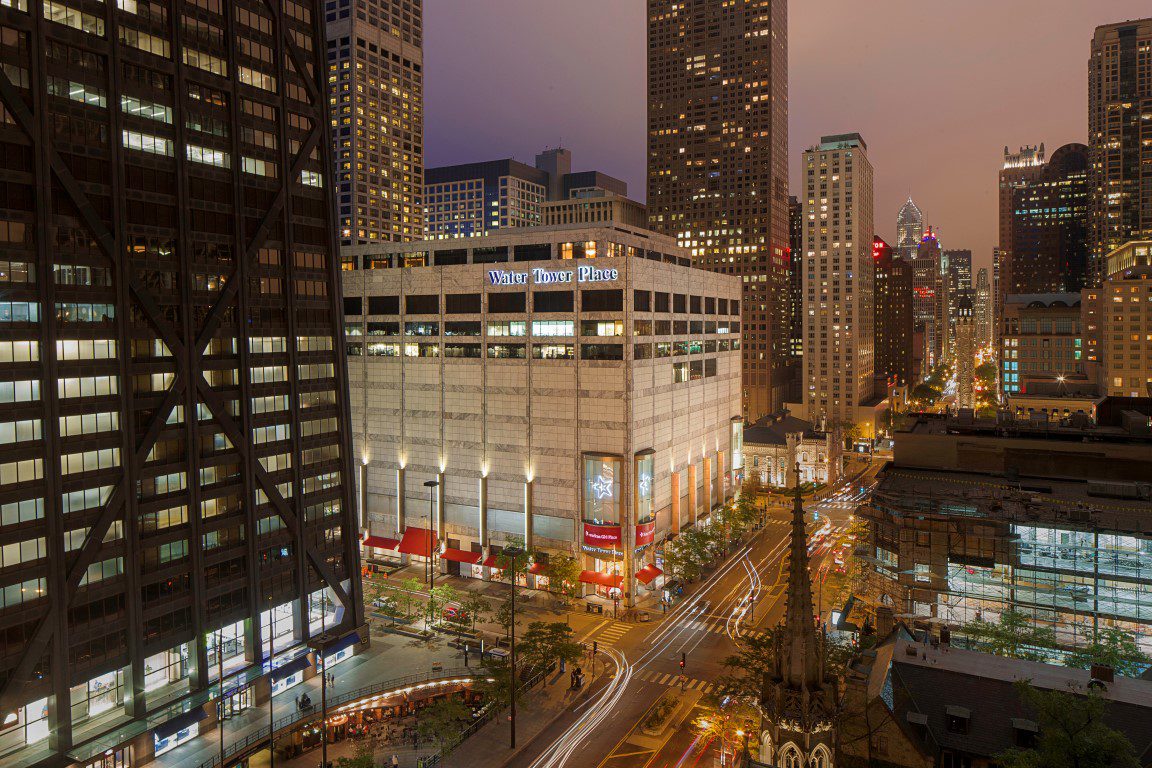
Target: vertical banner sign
<point>645,493</point>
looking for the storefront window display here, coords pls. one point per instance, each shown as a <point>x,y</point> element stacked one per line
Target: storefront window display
<point>602,476</point>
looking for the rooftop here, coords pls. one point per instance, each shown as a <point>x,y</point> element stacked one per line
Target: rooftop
<point>773,430</point>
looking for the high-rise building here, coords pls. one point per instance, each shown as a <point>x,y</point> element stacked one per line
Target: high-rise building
<point>930,299</point>
<point>982,304</point>
<point>1124,339</point>
<point>796,276</point>
<point>965,353</point>
<point>959,269</point>
<point>1019,169</point>
<point>893,327</point>
<point>1044,241</point>
<point>176,496</point>
<point>718,163</point>
<point>1119,103</point>
<point>376,93</point>
<point>909,230</point>
<point>839,344</point>
<point>476,199</point>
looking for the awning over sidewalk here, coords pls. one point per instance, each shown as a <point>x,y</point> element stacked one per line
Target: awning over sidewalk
<point>416,541</point>
<point>646,574</point>
<point>290,668</point>
<point>492,561</point>
<point>380,542</point>
<point>609,580</point>
<point>179,723</point>
<point>537,569</point>
<point>459,555</point>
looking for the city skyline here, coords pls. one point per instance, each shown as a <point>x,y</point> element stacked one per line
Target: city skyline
<point>958,197</point>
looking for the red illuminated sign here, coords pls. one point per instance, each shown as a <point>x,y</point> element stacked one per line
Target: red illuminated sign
<point>645,533</point>
<point>605,536</point>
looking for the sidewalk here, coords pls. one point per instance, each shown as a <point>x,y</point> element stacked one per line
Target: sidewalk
<point>488,747</point>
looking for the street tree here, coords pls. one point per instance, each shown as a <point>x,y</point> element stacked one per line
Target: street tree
<point>679,562</point>
<point>504,614</point>
<point>442,721</point>
<point>546,642</point>
<point>1113,647</point>
<point>728,721</point>
<point>1014,635</point>
<point>439,597</point>
<point>564,578</point>
<point>747,669</point>
<point>494,682</point>
<point>476,606</point>
<point>1072,733</point>
<point>408,595</point>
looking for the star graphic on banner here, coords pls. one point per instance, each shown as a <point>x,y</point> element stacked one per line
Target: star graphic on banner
<point>645,484</point>
<point>602,487</point>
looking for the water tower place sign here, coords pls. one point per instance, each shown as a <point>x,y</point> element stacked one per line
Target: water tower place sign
<point>582,274</point>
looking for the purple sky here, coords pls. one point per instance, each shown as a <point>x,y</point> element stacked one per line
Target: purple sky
<point>936,88</point>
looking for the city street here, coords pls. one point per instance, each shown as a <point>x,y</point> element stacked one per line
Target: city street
<point>637,663</point>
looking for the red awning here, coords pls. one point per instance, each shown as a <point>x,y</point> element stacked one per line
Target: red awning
<point>537,568</point>
<point>380,542</point>
<point>602,579</point>
<point>459,555</point>
<point>492,561</point>
<point>646,574</point>
<point>416,541</point>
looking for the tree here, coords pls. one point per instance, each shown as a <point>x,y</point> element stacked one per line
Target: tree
<point>679,562</point>
<point>545,642</point>
<point>439,597</point>
<point>1114,647</point>
<point>986,372</point>
<point>1072,733</point>
<point>476,606</point>
<point>494,682</point>
<point>442,722</point>
<point>730,721</point>
<point>747,669</point>
<point>406,595</point>
<point>564,577</point>
<point>503,615</point>
<point>1013,635</point>
<point>361,758</point>
<point>926,393</point>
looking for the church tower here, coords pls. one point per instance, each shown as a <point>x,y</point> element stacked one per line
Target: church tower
<point>800,698</point>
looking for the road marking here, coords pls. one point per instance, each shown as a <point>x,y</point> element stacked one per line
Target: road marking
<point>673,681</point>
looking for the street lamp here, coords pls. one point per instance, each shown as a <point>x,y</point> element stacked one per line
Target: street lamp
<point>512,553</point>
<point>431,485</point>
<point>319,645</point>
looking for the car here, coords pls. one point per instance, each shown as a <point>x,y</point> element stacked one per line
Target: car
<point>454,612</point>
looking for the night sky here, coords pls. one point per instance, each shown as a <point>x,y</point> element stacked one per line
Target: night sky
<point>937,89</point>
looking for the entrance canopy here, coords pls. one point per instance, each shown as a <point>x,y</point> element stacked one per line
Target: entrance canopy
<point>380,542</point>
<point>459,555</point>
<point>646,574</point>
<point>416,541</point>
<point>612,581</point>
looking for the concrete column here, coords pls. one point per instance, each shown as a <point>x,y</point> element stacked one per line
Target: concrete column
<point>482,508</point>
<point>400,502</point>
<point>709,493</point>
<point>364,521</point>
<point>528,514</point>
<point>722,476</point>
<point>693,501</point>
<point>440,513</point>
<point>675,502</point>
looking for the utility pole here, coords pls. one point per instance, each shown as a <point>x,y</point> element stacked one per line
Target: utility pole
<point>512,553</point>
<point>220,681</point>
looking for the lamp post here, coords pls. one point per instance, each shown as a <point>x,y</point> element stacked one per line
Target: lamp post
<point>318,645</point>
<point>220,680</point>
<point>512,553</point>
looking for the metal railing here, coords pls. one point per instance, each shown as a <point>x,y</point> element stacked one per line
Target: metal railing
<point>261,735</point>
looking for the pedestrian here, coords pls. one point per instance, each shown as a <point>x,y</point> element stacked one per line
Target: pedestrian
<point>395,761</point>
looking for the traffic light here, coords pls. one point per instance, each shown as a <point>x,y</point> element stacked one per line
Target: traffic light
<point>595,647</point>
<point>683,659</point>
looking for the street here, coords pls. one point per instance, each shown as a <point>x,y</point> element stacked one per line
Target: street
<point>637,663</point>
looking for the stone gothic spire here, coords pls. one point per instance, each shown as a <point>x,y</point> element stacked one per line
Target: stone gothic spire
<point>800,662</point>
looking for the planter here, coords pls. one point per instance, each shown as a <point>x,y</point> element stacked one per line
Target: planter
<point>662,713</point>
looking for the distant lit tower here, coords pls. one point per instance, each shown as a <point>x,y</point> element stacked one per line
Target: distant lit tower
<point>893,326</point>
<point>839,351</point>
<point>965,353</point>
<point>718,164</point>
<point>1045,238</point>
<point>1019,169</point>
<point>1120,138</point>
<point>929,303</point>
<point>982,305</point>
<point>909,230</point>
<point>796,274</point>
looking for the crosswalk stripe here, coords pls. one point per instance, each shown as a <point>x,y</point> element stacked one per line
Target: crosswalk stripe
<point>664,678</point>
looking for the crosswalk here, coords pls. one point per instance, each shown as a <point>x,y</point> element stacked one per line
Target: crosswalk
<point>612,633</point>
<point>719,627</point>
<point>670,679</point>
